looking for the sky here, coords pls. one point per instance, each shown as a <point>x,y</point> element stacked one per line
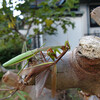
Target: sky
<point>15,2</point>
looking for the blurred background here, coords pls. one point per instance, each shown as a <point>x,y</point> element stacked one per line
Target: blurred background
<point>29,24</point>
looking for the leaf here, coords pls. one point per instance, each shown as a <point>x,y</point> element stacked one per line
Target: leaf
<point>21,96</point>
<point>48,22</point>
<point>54,80</point>
<point>24,93</point>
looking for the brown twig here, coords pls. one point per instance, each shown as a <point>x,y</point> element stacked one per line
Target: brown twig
<point>9,95</point>
<point>15,28</point>
<point>43,56</point>
<point>29,28</point>
<point>6,89</point>
<point>4,70</point>
<point>61,55</point>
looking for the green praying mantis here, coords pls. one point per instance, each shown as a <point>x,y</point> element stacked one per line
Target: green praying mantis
<point>26,55</point>
<point>32,53</point>
<point>43,67</point>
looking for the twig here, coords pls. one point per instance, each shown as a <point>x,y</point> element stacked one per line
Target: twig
<point>61,56</point>
<point>22,36</point>
<point>43,56</point>
<point>29,28</point>
<point>10,95</point>
<point>6,89</point>
<point>4,70</point>
<point>22,68</point>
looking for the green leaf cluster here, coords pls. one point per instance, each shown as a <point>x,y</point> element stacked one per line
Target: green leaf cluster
<point>47,14</point>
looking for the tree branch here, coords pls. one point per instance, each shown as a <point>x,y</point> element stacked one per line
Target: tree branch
<point>30,25</point>
<point>4,70</point>
<point>22,36</point>
<point>15,28</point>
<point>9,95</point>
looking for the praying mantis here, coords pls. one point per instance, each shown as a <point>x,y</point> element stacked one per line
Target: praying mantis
<point>40,70</point>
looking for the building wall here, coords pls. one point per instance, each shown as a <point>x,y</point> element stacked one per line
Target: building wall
<point>82,27</point>
<point>86,20</point>
<point>83,8</point>
<point>73,35</point>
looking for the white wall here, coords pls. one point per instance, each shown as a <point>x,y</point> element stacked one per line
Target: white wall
<point>82,28</point>
<point>95,30</point>
<point>86,21</point>
<point>73,35</point>
<point>23,32</point>
<point>83,8</point>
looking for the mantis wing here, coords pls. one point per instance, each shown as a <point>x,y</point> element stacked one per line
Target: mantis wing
<point>40,81</point>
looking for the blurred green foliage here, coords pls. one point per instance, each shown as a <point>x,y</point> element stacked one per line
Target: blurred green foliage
<point>1,74</point>
<point>48,14</point>
<point>20,95</point>
<point>9,48</point>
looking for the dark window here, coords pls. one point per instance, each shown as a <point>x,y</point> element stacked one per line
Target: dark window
<point>92,22</point>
